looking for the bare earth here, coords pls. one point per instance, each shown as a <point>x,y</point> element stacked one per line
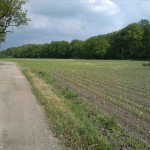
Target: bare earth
<point>22,122</point>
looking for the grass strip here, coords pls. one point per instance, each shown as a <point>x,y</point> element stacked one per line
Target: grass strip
<point>66,118</point>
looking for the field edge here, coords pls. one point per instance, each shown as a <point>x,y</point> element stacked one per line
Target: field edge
<point>71,126</point>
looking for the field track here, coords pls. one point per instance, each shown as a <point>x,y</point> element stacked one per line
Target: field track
<point>22,123</point>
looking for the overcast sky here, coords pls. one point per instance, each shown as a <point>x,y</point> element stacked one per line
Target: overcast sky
<point>54,20</point>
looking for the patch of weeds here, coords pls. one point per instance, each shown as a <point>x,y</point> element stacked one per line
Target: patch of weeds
<point>69,94</point>
<point>147,108</point>
<point>108,122</point>
<point>46,77</point>
<point>146,64</point>
<point>114,132</point>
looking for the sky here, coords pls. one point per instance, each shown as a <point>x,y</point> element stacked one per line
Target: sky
<point>56,20</point>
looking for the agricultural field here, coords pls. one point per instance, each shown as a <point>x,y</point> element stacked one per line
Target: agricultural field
<point>113,95</point>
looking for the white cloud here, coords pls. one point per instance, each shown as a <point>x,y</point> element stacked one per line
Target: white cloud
<point>63,25</point>
<point>92,1</point>
<point>40,22</point>
<point>76,18</point>
<point>104,6</point>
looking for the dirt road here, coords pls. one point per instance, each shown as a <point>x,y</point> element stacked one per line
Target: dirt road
<point>22,122</point>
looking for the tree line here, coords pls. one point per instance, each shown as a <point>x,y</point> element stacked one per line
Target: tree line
<point>131,42</point>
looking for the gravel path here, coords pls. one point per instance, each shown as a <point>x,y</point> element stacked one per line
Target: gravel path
<point>22,122</point>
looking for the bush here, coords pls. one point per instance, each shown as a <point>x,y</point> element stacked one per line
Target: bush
<point>146,64</point>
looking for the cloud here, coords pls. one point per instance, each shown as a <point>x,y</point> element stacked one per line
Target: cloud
<point>76,19</point>
<point>65,25</point>
<point>103,6</point>
<point>72,8</point>
<point>71,17</point>
<point>58,8</point>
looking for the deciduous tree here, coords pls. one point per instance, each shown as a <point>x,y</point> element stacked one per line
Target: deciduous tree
<point>12,13</point>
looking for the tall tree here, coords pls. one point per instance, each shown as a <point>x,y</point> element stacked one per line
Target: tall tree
<point>12,14</point>
<point>77,49</point>
<point>145,24</point>
<point>2,37</point>
<point>97,47</point>
<point>133,38</point>
<point>127,43</point>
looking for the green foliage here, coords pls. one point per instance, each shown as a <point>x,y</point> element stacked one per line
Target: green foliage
<point>2,56</point>
<point>127,43</point>
<point>12,14</point>
<point>77,49</point>
<point>69,94</point>
<point>2,36</point>
<point>145,24</point>
<point>109,122</point>
<point>146,64</point>
<point>131,42</point>
<point>96,47</point>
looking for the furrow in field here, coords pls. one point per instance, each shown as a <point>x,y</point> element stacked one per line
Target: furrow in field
<point>124,92</point>
<point>135,93</point>
<point>113,97</point>
<point>128,120</point>
<point>112,83</point>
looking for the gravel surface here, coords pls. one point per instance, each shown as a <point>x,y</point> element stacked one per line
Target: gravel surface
<point>22,121</point>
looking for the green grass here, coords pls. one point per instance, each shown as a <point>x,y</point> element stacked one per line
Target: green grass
<point>66,118</point>
<point>93,104</point>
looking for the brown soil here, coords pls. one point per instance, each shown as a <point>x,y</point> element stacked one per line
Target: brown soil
<point>136,126</point>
